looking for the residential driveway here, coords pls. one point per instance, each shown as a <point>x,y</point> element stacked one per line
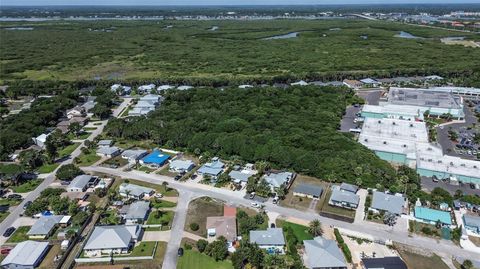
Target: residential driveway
<point>368,249</point>
<point>360,213</point>
<point>272,217</point>
<point>156,236</point>
<point>194,236</point>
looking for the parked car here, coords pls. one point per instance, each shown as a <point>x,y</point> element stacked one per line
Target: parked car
<point>9,231</point>
<point>252,195</point>
<point>275,200</point>
<point>256,205</point>
<point>434,179</point>
<point>65,183</point>
<point>27,204</point>
<point>158,195</point>
<point>180,252</point>
<point>15,196</point>
<point>177,177</point>
<point>5,250</point>
<point>193,176</point>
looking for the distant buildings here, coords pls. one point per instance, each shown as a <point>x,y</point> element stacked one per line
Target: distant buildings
<point>82,183</point>
<point>40,140</point>
<point>121,90</point>
<point>44,226</point>
<point>145,105</point>
<point>472,223</point>
<point>133,155</point>
<point>156,158</point>
<point>108,152</point>
<point>137,212</point>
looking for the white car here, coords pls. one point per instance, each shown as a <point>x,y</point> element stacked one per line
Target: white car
<point>158,195</point>
<point>256,205</point>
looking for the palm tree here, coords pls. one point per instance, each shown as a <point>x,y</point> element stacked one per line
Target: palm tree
<point>315,228</point>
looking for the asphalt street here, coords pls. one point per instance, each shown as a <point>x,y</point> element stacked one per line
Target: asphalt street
<point>378,231</point>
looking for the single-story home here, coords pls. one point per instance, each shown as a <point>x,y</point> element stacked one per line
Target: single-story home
<point>180,166</point>
<point>133,155</point>
<point>370,82</point>
<point>26,255</point>
<point>431,216</point>
<point>134,191</point>
<point>394,204</point>
<point>277,179</point>
<point>239,176</point>
<point>157,158</point>
<point>321,253</point>
<point>352,84</point>
<point>108,152</point>
<point>271,240</point>
<point>77,111</point>
<point>105,143</point>
<point>384,263</point>
<point>121,90</point>
<point>343,198</point>
<point>40,140</point>
<point>349,187</point>
<point>146,88</point>
<point>308,190</point>
<point>212,169</point>
<point>137,212</point>
<point>222,226</point>
<point>81,183</point>
<point>472,223</point>
<point>116,239</point>
<point>44,227</point>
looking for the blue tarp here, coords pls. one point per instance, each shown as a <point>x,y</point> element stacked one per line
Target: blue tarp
<point>156,157</point>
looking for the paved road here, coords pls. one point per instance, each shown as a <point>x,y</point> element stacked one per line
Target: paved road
<point>14,214</point>
<point>178,224</point>
<point>380,232</point>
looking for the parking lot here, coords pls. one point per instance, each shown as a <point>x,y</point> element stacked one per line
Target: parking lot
<point>429,185</point>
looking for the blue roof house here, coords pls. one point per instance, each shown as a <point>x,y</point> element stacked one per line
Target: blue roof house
<point>156,158</point>
<point>431,216</point>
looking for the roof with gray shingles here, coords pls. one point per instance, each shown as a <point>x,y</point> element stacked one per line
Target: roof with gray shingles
<point>181,164</point>
<point>344,196</point>
<point>138,210</point>
<point>104,143</point>
<point>472,221</point>
<point>309,189</point>
<point>277,179</point>
<point>26,253</point>
<point>323,253</point>
<point>134,190</point>
<point>238,176</point>
<point>111,237</point>
<point>271,236</point>
<point>80,181</point>
<point>44,225</point>
<point>108,150</point>
<point>391,203</point>
<point>349,187</point>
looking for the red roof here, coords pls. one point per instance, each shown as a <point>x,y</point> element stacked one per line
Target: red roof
<point>229,211</point>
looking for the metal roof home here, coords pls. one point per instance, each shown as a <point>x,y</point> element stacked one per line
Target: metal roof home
<point>213,168</point>
<point>269,237</point>
<point>432,215</point>
<point>472,222</point>
<point>384,263</point>
<point>277,179</point>
<point>184,88</point>
<point>369,81</point>
<point>79,182</point>
<point>308,189</point>
<point>323,253</point>
<point>340,196</point>
<point>299,83</point>
<point>138,210</point>
<point>156,157</point>
<point>182,165</point>
<point>134,190</point>
<point>391,203</point>
<point>223,226</point>
<point>44,225</point>
<point>26,254</point>
<point>105,143</point>
<point>238,176</point>
<point>108,151</point>
<point>134,154</point>
<point>349,187</point>
<point>112,237</point>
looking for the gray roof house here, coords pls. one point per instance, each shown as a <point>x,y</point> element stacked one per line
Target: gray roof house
<point>323,253</point>
<point>343,198</point>
<point>107,239</point>
<point>80,183</point>
<point>349,187</point>
<point>275,180</point>
<point>133,155</point>
<point>26,255</point>
<point>238,176</point>
<point>43,227</point>
<point>105,143</point>
<point>472,223</point>
<point>308,190</point>
<point>137,212</point>
<point>212,169</point>
<point>270,239</point>
<point>181,165</point>
<point>387,202</point>
<point>134,191</point>
<point>108,151</point>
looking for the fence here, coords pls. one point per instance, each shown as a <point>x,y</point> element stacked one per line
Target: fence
<point>108,259</point>
<point>337,217</point>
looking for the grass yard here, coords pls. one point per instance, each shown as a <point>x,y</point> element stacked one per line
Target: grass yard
<point>87,159</point>
<point>424,229</point>
<point>81,136</point>
<point>19,235</point>
<point>47,168</point>
<point>110,217</point>
<point>146,169</point>
<point>334,209</point>
<point>165,172</point>
<point>415,261</point>
<point>117,161</point>
<point>198,211</point>
<point>160,217</point>
<point>48,261</point>
<point>302,203</point>
<point>158,203</point>
<point>90,128</point>
<point>300,231</point>
<point>160,188</point>
<point>3,215</point>
<point>66,151</point>
<point>128,144</point>
<point>192,259</point>
<point>143,249</point>
<point>27,186</point>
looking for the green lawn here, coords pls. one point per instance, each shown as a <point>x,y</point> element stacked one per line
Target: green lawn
<point>19,235</point>
<point>47,168</point>
<point>300,231</point>
<point>87,159</point>
<point>165,217</point>
<point>90,128</point>
<point>66,151</point>
<point>335,209</point>
<point>81,136</point>
<point>27,186</point>
<point>195,260</point>
<point>118,161</point>
<point>146,169</point>
<point>10,169</point>
<point>158,203</point>
<point>143,249</point>
<point>415,261</point>
<point>160,188</point>
<point>3,216</point>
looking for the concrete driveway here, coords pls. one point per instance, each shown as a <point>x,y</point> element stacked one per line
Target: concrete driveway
<point>156,236</point>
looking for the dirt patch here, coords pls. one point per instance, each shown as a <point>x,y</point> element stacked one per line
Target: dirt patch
<point>198,211</point>
<point>475,240</point>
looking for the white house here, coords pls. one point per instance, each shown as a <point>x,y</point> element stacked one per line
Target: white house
<point>40,140</point>
<point>118,239</point>
<point>271,240</point>
<point>180,166</point>
<point>26,255</point>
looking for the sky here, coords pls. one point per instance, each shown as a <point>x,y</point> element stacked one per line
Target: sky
<point>218,2</point>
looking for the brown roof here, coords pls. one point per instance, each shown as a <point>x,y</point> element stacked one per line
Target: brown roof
<point>229,211</point>
<point>224,226</point>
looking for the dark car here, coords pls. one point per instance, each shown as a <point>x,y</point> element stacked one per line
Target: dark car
<point>65,183</point>
<point>177,177</point>
<point>9,231</point>
<point>180,252</point>
<point>27,204</point>
<point>15,196</point>
<point>193,176</point>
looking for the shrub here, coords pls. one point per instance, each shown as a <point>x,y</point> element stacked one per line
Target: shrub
<point>194,226</point>
<point>68,172</point>
<point>201,245</point>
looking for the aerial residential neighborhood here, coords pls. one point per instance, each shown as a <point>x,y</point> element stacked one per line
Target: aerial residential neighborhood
<point>215,135</point>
